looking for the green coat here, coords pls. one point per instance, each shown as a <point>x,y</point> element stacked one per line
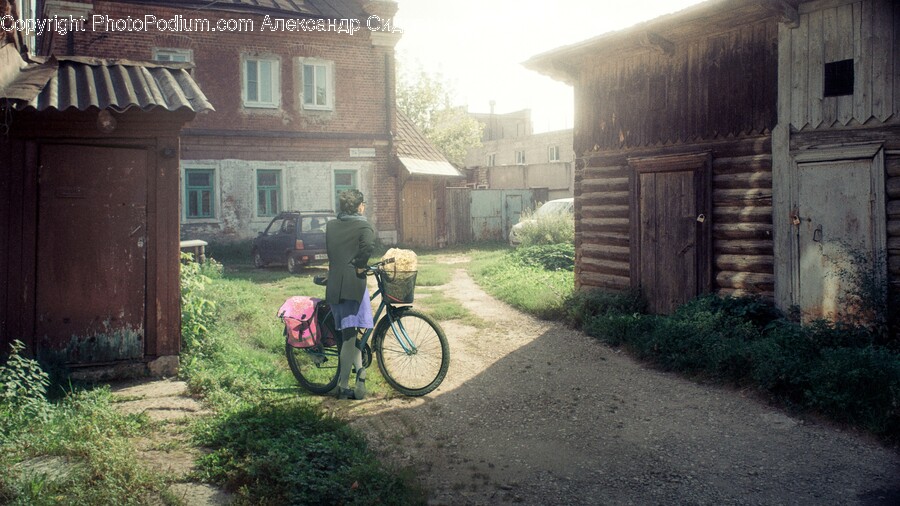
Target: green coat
<point>349,240</point>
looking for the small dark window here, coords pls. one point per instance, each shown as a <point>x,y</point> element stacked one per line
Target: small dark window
<point>839,78</point>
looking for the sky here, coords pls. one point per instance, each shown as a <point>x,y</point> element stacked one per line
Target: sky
<point>478,46</point>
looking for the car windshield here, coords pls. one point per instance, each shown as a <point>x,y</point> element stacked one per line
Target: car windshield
<point>553,207</point>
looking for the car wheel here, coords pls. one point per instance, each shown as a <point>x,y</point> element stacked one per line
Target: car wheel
<point>293,265</point>
<point>257,260</point>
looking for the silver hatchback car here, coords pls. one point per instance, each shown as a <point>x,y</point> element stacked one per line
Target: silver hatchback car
<point>560,206</point>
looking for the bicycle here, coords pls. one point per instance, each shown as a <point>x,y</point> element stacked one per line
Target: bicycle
<point>412,350</point>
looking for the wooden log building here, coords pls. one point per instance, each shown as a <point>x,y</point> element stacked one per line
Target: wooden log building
<point>696,134</point>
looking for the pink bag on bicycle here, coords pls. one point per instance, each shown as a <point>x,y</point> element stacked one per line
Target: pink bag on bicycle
<point>300,322</point>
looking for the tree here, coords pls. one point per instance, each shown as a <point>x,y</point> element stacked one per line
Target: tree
<point>425,99</point>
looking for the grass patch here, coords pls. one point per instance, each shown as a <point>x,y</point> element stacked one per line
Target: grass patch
<point>269,438</point>
<point>77,453</point>
<point>529,288</point>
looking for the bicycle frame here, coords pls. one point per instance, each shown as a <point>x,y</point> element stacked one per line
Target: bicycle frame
<point>388,309</point>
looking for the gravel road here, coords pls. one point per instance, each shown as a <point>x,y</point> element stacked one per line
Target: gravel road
<point>532,412</point>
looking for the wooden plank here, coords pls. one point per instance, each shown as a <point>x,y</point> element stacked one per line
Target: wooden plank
<point>604,281</point>
<point>606,238</point>
<point>756,180</point>
<point>609,211</point>
<point>617,198</point>
<point>863,46</point>
<point>831,41</point>
<point>738,164</point>
<point>743,214</point>
<point>743,231</point>
<point>882,61</point>
<point>893,208</point>
<point>605,224</point>
<point>781,163</point>
<point>746,263</point>
<point>606,252</point>
<point>732,196</point>
<point>752,281</point>
<point>737,292</point>
<point>603,266</point>
<point>847,34</point>
<point>892,186</point>
<point>607,184</point>
<point>739,247</point>
<point>816,62</point>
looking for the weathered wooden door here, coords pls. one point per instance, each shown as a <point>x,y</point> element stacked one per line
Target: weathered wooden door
<point>91,253</point>
<point>670,229</point>
<point>838,216</point>
<point>418,213</point>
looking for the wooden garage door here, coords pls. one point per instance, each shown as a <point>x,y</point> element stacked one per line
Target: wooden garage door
<point>418,214</point>
<point>92,267</point>
<point>671,229</point>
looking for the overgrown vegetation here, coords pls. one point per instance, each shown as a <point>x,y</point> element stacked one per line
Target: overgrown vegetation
<point>848,371</point>
<point>71,451</point>
<point>546,229</point>
<point>830,368</point>
<point>269,440</point>
<point>519,278</point>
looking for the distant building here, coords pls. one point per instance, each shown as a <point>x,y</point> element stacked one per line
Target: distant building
<point>303,110</point>
<point>513,157</point>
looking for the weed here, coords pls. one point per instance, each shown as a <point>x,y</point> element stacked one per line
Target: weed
<point>551,228</point>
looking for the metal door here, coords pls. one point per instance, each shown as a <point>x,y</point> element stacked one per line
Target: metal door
<point>835,215</point>
<point>91,257</point>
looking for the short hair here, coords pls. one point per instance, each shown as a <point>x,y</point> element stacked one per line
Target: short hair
<point>350,200</point>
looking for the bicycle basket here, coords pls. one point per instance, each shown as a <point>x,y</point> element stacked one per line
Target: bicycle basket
<point>400,286</point>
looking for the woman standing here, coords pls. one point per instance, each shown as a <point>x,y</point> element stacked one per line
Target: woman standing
<point>349,241</point>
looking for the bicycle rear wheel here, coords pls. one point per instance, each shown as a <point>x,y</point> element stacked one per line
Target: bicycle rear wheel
<point>420,363</point>
<point>316,369</point>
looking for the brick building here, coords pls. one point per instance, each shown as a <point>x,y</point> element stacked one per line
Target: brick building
<point>303,95</point>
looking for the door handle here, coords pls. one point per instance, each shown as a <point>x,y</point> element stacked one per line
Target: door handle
<point>817,234</point>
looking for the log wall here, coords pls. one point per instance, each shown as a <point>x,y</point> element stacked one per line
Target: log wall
<point>741,217</point>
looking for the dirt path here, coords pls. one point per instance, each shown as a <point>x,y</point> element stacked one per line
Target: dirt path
<point>534,413</point>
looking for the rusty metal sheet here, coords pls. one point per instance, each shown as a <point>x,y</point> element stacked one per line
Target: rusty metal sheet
<point>83,82</point>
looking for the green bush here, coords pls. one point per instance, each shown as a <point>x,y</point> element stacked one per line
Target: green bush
<point>550,229</point>
<point>584,305</point>
<point>836,369</point>
<point>197,312</point>
<point>551,257</point>
<point>23,387</point>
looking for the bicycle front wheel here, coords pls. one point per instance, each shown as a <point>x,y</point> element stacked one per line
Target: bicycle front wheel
<point>413,354</point>
<point>316,369</point>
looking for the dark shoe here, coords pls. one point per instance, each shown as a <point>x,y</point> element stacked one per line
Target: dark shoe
<point>346,393</point>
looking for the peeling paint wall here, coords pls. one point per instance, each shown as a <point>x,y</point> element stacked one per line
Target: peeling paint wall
<point>305,186</point>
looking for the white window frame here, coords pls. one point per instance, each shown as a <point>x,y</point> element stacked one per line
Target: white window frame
<point>186,55</point>
<point>490,160</point>
<point>520,157</point>
<point>275,77</point>
<point>217,189</point>
<point>553,153</point>
<point>302,63</point>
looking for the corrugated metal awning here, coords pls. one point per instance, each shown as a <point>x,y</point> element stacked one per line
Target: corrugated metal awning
<point>429,167</point>
<point>81,83</point>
